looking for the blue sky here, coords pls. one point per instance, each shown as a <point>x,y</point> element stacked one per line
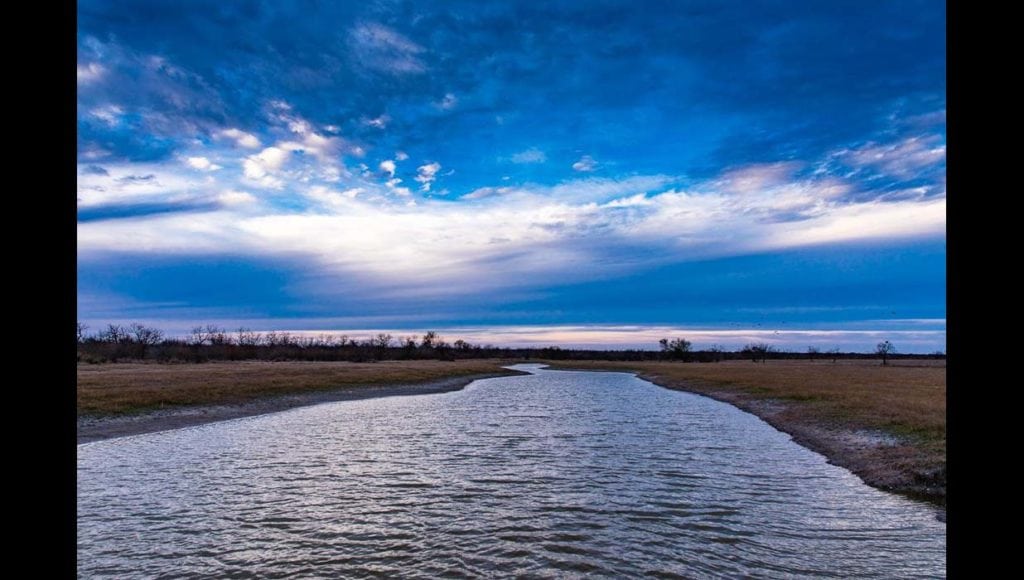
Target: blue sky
<point>590,173</point>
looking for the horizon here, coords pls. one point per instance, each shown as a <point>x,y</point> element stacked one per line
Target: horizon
<point>602,174</point>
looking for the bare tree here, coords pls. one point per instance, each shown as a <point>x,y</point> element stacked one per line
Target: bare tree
<point>248,337</point>
<point>114,334</point>
<point>429,339</point>
<point>80,331</point>
<point>884,350</point>
<point>813,352</point>
<point>145,337</point>
<point>380,344</point>
<point>677,348</point>
<point>834,351</point>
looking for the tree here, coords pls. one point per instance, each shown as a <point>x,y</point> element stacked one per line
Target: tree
<point>114,334</point>
<point>758,351</point>
<point>677,348</point>
<point>834,352</point>
<point>885,349</point>
<point>716,352</point>
<point>145,337</point>
<point>812,352</point>
<point>429,339</point>
<point>248,337</point>
<point>80,331</point>
<point>380,344</point>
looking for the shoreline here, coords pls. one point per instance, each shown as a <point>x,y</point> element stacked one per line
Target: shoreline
<point>842,445</point>
<point>92,428</point>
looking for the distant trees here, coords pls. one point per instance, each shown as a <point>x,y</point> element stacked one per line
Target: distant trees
<point>758,351</point>
<point>380,345</point>
<point>676,349</point>
<point>885,349</point>
<point>429,339</point>
<point>144,337</point>
<point>134,341</point>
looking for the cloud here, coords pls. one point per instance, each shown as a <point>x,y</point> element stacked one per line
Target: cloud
<point>378,48</point>
<point>95,170</point>
<point>485,192</point>
<point>241,138</point>
<point>388,166</point>
<point>201,163</point>
<point>109,114</point>
<point>426,175</point>
<point>585,164</point>
<point>535,232</point>
<point>90,73</point>
<point>447,103</point>
<point>903,159</point>
<point>532,155</point>
<point>262,166</point>
<point>236,198</point>
<point>380,122</point>
<point>401,156</point>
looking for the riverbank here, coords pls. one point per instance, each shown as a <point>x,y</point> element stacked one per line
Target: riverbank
<point>886,424</point>
<point>115,400</point>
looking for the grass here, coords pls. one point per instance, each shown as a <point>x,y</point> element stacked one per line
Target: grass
<point>838,409</point>
<point>117,389</point>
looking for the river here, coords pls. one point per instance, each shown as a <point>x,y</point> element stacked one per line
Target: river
<point>552,474</point>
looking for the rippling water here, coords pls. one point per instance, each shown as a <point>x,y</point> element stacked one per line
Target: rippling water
<point>553,474</point>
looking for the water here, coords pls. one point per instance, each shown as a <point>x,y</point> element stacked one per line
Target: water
<point>555,474</point>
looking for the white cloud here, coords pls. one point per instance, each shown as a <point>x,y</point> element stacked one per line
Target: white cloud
<point>241,138</point>
<point>388,166</point>
<point>585,164</point>
<point>235,198</point>
<point>380,122</point>
<point>201,163</point>
<point>904,159</point>
<point>426,174</point>
<point>90,73</point>
<point>109,114</point>
<point>392,184</point>
<point>447,103</point>
<point>401,156</point>
<point>262,166</point>
<point>532,155</point>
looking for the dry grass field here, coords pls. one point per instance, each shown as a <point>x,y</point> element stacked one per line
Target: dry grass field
<point>885,423</point>
<point>110,389</point>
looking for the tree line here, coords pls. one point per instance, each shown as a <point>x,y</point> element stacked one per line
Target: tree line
<point>136,341</point>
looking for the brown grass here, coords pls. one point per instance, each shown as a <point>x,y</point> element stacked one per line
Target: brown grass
<point>111,389</point>
<point>838,409</point>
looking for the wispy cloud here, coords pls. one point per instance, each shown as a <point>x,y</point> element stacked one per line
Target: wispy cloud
<point>426,174</point>
<point>532,155</point>
<point>585,164</point>
<point>383,49</point>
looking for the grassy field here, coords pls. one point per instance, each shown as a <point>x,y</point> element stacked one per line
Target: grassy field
<point>112,389</point>
<point>887,424</point>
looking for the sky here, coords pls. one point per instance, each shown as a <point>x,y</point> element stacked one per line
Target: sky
<point>590,174</point>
